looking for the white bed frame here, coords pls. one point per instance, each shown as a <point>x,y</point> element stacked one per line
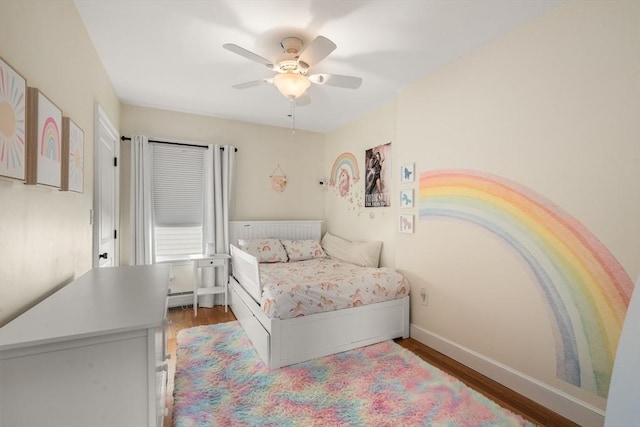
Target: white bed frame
<point>282,342</point>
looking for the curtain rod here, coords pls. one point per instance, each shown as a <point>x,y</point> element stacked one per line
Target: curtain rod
<point>206,147</point>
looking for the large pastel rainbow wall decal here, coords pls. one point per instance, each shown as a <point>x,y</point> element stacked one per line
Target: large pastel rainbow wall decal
<point>50,143</point>
<point>348,161</point>
<point>586,289</point>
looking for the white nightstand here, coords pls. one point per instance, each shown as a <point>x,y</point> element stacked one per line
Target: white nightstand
<point>209,261</point>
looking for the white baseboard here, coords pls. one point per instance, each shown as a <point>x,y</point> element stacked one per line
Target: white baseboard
<point>558,401</point>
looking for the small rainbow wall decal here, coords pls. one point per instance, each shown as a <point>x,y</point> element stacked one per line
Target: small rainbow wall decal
<point>50,146</point>
<point>586,289</point>
<point>347,160</point>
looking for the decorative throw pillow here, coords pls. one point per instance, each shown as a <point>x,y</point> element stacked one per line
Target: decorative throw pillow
<point>365,254</point>
<point>300,250</point>
<point>265,250</point>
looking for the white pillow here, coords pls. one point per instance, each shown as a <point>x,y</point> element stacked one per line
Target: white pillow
<point>265,250</point>
<point>300,250</point>
<point>365,254</point>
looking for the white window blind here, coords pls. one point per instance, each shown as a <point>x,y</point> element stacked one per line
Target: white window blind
<point>178,175</point>
<point>176,243</point>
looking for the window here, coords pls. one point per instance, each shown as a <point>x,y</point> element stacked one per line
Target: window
<point>178,182</point>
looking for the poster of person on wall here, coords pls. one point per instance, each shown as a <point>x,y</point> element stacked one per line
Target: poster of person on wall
<point>377,191</point>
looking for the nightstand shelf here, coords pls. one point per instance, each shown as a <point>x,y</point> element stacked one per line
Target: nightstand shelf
<point>214,261</point>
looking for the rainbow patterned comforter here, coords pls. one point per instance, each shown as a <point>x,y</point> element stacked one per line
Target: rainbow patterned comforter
<point>317,285</point>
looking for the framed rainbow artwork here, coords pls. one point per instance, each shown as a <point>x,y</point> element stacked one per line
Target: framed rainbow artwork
<point>72,156</point>
<point>585,288</point>
<point>13,96</point>
<point>44,140</point>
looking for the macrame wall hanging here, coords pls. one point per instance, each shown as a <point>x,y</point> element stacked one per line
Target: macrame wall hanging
<point>278,179</point>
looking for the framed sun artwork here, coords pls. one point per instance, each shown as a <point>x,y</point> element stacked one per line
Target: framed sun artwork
<point>44,140</point>
<point>13,96</point>
<point>72,156</point>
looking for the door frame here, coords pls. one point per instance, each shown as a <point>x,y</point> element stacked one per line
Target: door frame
<point>102,120</point>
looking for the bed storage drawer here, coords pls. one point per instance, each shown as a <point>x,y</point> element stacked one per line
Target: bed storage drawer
<point>254,330</point>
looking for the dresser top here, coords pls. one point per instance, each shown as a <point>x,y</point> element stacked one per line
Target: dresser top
<point>102,301</point>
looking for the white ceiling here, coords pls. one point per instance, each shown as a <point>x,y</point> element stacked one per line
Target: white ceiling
<point>168,54</point>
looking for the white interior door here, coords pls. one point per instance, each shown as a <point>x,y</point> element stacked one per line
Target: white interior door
<point>106,192</point>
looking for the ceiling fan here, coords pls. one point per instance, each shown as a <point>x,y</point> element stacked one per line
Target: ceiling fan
<point>292,78</point>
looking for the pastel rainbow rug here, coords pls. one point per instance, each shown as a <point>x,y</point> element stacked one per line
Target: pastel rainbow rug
<point>221,381</point>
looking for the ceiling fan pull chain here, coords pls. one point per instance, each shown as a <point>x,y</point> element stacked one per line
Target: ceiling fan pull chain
<point>293,116</point>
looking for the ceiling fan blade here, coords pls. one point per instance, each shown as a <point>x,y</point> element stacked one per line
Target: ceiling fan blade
<point>317,50</point>
<point>337,80</point>
<point>249,55</point>
<point>252,83</point>
<point>303,100</point>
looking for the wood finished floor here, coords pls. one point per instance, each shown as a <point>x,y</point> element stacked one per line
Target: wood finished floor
<point>538,414</point>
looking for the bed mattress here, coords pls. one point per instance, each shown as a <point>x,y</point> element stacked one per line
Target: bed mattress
<point>294,289</point>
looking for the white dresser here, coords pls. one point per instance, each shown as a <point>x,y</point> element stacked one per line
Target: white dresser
<point>92,354</point>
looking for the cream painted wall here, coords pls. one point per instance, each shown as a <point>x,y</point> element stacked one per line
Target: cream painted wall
<point>260,150</point>
<point>46,234</point>
<point>554,106</point>
<point>346,215</point>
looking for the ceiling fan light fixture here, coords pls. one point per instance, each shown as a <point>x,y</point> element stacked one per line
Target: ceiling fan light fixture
<point>291,85</point>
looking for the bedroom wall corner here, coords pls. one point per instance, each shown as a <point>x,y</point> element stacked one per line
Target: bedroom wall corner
<point>345,211</point>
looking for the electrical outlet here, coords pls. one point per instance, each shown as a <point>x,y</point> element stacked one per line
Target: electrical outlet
<point>424,298</point>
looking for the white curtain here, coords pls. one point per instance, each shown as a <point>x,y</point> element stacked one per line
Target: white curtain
<point>141,219</point>
<point>218,197</point>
